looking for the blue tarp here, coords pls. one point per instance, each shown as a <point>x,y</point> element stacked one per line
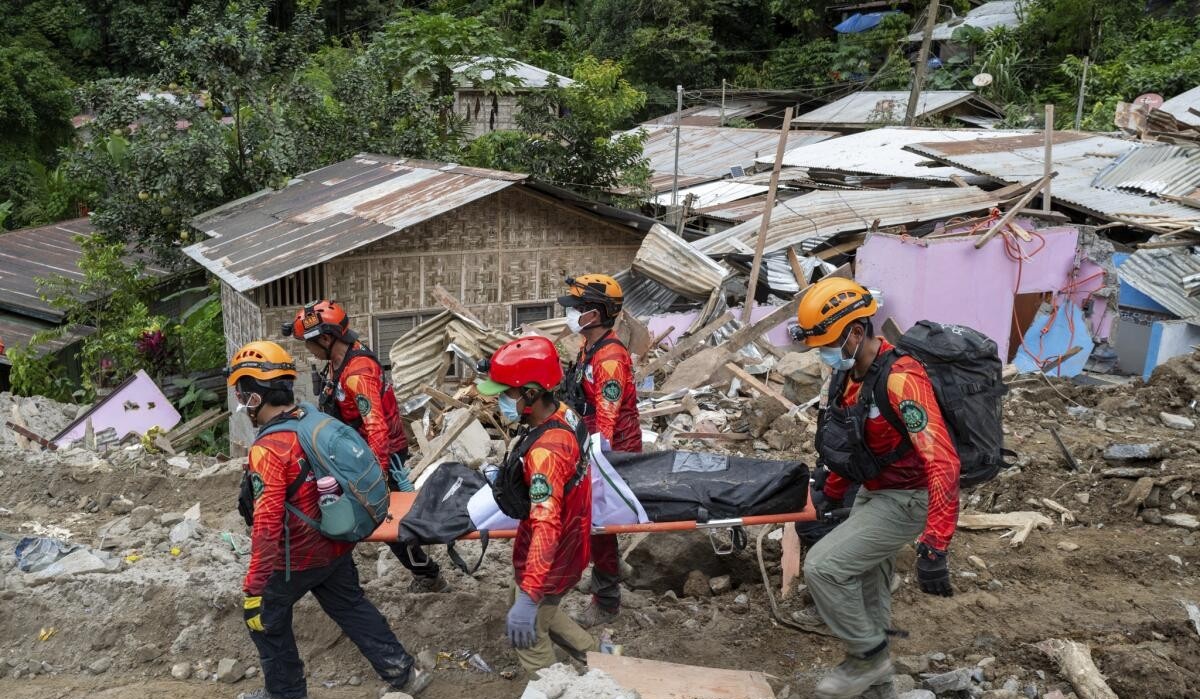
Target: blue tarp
<point>1068,329</point>
<point>859,22</point>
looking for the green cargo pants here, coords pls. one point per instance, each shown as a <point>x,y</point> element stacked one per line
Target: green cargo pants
<point>553,627</point>
<point>849,571</point>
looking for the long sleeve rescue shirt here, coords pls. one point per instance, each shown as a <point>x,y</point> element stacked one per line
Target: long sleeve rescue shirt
<point>363,402</point>
<point>274,465</point>
<point>933,462</point>
<point>608,387</point>
<point>553,545</point>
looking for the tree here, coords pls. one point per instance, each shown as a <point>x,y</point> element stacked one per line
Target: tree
<point>565,135</point>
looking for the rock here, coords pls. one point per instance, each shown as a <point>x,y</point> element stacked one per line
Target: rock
<point>77,562</point>
<point>181,671</point>
<point>987,662</point>
<point>1182,520</point>
<point>1176,422</point>
<point>354,681</point>
<point>229,670</point>
<point>121,505</point>
<point>762,413</point>
<point>1083,498</point>
<point>250,673</point>
<point>427,659</point>
<point>995,585</point>
<point>396,695</point>
<point>977,562</point>
<point>801,372</point>
<point>99,666</point>
<point>147,653</point>
<point>1068,546</point>
<point>903,683</point>
<point>741,599</point>
<point>987,601</point>
<point>1001,694</point>
<point>954,681</point>
<point>911,664</point>
<point>1134,452</point>
<point>140,516</point>
<point>696,585</point>
<point>170,518</point>
<point>720,584</point>
<point>918,694</point>
<point>1152,515</point>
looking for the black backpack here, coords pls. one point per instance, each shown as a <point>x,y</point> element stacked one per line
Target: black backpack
<point>509,488</point>
<point>965,369</point>
<point>572,391</point>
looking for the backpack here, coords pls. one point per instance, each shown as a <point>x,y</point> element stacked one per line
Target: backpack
<point>439,513</point>
<point>964,368</point>
<point>509,488</point>
<point>333,448</point>
<point>572,392</point>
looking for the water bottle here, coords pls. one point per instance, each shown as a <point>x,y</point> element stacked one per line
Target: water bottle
<point>328,490</point>
<point>490,472</point>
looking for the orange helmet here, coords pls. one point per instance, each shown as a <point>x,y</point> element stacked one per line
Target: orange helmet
<point>263,361</point>
<point>318,318</point>
<point>828,308</point>
<point>598,289</point>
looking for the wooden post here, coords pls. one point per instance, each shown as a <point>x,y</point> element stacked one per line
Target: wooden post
<point>1048,160</point>
<point>914,94</point>
<point>1082,89</point>
<point>678,129</point>
<point>766,215</point>
<point>683,214</point>
<point>1012,212</point>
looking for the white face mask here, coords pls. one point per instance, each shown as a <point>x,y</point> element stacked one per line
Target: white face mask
<point>573,316</point>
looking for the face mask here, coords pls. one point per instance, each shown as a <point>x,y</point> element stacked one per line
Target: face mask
<point>833,357</point>
<point>508,408</point>
<point>573,316</point>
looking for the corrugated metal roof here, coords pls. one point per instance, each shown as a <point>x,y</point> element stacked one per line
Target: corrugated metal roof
<point>713,193</point>
<point>881,152</point>
<point>1180,106</point>
<point>17,330</point>
<point>813,219</point>
<point>872,108</point>
<point>989,15</point>
<point>643,296</point>
<point>736,211</point>
<point>1077,157</point>
<point>1159,274</point>
<point>708,152</point>
<point>417,356</point>
<point>1162,170</point>
<point>331,211</point>
<point>30,254</point>
<point>678,265</point>
<point>526,76</point>
<point>710,115</point>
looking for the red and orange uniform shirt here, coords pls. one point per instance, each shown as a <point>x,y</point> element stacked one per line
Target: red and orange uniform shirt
<point>363,402</point>
<point>609,389</point>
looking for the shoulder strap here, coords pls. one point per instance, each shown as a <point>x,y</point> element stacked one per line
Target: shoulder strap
<point>883,399</point>
<point>359,351</point>
<point>609,339</point>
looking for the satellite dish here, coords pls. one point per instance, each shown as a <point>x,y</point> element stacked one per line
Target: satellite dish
<point>982,80</point>
<point>1150,100</point>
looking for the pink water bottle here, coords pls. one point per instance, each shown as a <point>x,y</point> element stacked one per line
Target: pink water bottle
<point>328,490</point>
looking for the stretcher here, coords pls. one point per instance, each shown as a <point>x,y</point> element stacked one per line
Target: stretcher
<point>389,530</point>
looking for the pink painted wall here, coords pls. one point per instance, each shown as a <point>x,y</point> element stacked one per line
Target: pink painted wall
<point>136,407</point>
<point>949,281</point>
<point>778,335</point>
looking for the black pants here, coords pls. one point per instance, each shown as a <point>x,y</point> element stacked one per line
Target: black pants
<point>413,558</point>
<point>340,595</point>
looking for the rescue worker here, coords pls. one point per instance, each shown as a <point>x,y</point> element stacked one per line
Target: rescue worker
<point>288,558</point>
<point>545,475</point>
<point>353,389</point>
<point>909,479</point>
<point>600,388</point>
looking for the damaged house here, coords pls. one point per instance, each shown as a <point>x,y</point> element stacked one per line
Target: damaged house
<point>388,238</point>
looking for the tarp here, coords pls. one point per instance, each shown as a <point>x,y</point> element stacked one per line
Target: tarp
<point>1053,335</point>
<point>859,22</point>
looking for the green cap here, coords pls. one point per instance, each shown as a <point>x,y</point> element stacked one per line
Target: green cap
<point>487,387</point>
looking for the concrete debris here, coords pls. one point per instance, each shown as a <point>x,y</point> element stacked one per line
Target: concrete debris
<point>79,562</point>
<point>1180,519</point>
<point>561,681</point>
<point>99,666</point>
<point>230,670</point>
<point>1134,452</point>
<point>947,682</point>
<point>1176,422</point>
<point>181,671</point>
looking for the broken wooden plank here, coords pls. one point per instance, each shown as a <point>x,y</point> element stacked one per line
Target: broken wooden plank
<point>440,444</point>
<point>31,435</point>
<point>797,268</point>
<point>1021,523</point>
<point>447,301</point>
<point>765,218</point>
<point>759,386</point>
<point>683,345</point>
<point>789,563</point>
<point>1012,212</point>
<point>1067,516</point>
<point>1075,661</point>
<point>958,181</point>
<point>654,679</point>
<point>659,411</point>
<point>717,436</point>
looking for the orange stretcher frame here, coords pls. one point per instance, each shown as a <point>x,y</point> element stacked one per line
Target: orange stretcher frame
<point>400,504</point>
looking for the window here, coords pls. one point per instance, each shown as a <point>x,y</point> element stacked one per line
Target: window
<point>531,313</point>
<point>388,329</point>
<point>294,290</point>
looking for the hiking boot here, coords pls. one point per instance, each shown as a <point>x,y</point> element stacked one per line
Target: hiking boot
<point>810,620</point>
<point>434,584</point>
<point>855,676</point>
<point>262,693</point>
<point>418,681</point>
<point>883,690</point>
<point>595,615</point>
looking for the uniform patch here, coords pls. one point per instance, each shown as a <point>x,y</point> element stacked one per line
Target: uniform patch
<point>539,489</point>
<point>364,405</point>
<point>256,485</point>
<point>913,415</point>
<point>611,390</point>
<point>588,374</point>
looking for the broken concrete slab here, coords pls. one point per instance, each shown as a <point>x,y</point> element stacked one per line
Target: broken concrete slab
<point>1134,452</point>
<point>1176,422</point>
<point>78,562</point>
<point>1180,519</point>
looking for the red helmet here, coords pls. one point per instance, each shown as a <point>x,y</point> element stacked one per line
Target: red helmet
<point>318,318</point>
<point>525,361</point>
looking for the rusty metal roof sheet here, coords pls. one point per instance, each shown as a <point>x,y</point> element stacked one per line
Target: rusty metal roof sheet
<point>881,152</point>
<point>1078,158</point>
<point>678,265</point>
<point>1180,106</point>
<point>1162,170</point>
<point>331,211</point>
<point>709,152</point>
<point>736,211</point>
<point>32,254</point>
<point>813,219</point>
<point>872,108</point>
<point>1160,273</point>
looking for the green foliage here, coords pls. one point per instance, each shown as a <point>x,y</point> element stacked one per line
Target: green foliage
<point>201,335</point>
<point>36,373</point>
<point>566,136</point>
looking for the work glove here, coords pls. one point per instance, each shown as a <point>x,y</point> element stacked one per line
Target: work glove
<point>252,613</point>
<point>522,621</point>
<point>933,571</point>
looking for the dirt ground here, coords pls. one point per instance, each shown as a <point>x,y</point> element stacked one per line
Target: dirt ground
<point>1120,591</point>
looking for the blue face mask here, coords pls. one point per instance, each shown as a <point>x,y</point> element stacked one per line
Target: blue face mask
<point>833,356</point>
<point>508,408</point>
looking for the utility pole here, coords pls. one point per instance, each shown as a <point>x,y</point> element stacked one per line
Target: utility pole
<point>1082,88</point>
<point>722,122</point>
<point>922,61</point>
<point>678,117</point>
<point>1048,157</point>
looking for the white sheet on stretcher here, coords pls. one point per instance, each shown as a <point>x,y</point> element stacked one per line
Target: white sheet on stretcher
<point>612,500</point>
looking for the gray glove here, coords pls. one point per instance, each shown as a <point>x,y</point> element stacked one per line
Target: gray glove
<point>522,621</point>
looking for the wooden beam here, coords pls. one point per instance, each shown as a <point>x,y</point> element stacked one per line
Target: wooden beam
<point>759,386</point>
<point>669,409</point>
<point>440,444</point>
<point>447,301</point>
<point>797,268</point>
<point>683,345</point>
<point>765,222</point>
<point>653,679</point>
<point>1048,158</point>
<point>958,181</point>
<point>1012,212</point>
